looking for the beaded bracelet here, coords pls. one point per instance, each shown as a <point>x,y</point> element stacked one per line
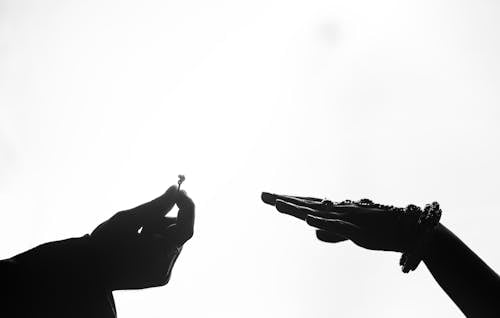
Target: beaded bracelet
<point>427,221</point>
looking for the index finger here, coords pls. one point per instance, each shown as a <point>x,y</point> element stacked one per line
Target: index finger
<point>157,207</point>
<point>270,198</point>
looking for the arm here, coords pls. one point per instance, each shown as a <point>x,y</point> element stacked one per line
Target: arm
<point>134,249</point>
<point>470,283</point>
<point>56,279</point>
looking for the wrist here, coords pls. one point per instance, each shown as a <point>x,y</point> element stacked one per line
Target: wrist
<point>426,225</point>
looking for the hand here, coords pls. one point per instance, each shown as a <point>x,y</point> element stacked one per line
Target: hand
<point>368,227</point>
<point>137,248</point>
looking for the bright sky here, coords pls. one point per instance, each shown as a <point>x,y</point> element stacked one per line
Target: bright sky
<point>103,103</point>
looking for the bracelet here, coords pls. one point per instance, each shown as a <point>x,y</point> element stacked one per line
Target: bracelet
<point>428,219</point>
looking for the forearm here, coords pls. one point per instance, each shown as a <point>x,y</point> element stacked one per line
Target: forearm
<point>469,282</point>
<point>56,279</point>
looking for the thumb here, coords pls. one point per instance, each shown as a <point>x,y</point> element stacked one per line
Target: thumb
<point>185,217</point>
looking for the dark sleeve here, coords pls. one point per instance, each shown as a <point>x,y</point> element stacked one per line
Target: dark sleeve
<point>56,279</point>
<point>469,282</point>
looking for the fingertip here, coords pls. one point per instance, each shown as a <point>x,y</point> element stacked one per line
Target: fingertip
<point>311,219</point>
<point>282,206</point>
<point>171,193</point>
<point>329,237</point>
<point>320,235</point>
<point>268,198</point>
<point>162,204</point>
<point>172,189</point>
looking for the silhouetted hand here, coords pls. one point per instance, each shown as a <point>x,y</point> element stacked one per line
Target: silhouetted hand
<point>469,282</point>
<point>137,248</point>
<point>371,228</point>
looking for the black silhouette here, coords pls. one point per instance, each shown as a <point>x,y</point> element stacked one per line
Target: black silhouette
<point>134,249</point>
<point>468,281</point>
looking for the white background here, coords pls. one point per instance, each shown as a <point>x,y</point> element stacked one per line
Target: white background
<point>103,103</point>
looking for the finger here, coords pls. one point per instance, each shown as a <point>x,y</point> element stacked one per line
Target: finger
<point>313,204</point>
<point>158,226</point>
<point>299,211</point>
<point>158,207</point>
<point>185,217</point>
<point>339,227</point>
<point>270,198</point>
<point>329,237</point>
<point>145,215</point>
<point>182,230</point>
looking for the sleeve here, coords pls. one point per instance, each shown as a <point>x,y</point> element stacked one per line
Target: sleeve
<point>56,279</point>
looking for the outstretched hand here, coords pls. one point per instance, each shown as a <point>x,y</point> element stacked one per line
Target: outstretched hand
<point>368,227</point>
<point>137,248</point>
